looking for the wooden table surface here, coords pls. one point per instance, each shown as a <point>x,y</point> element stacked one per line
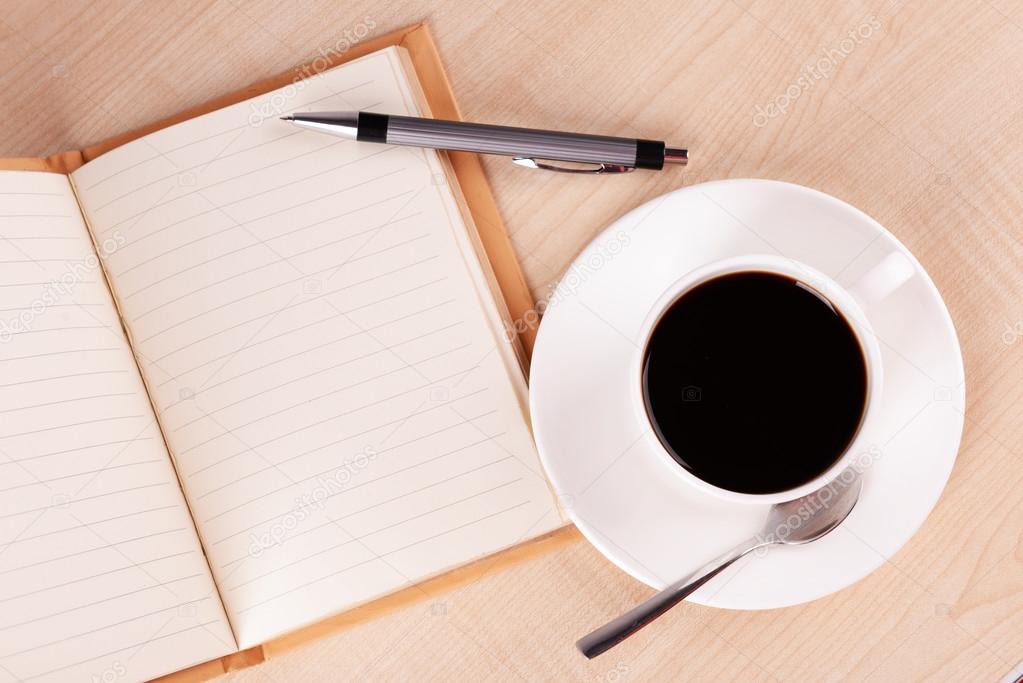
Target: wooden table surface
<point>912,111</point>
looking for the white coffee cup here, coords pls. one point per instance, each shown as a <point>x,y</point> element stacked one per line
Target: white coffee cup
<point>875,284</point>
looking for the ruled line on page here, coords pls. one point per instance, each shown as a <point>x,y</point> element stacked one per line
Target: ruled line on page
<point>206,387</point>
<point>132,219</point>
<point>256,245</point>
<point>314,475</point>
<point>107,468</point>
<point>54,378</point>
<point>385,476</point>
<point>84,525</point>
<point>77,304</point>
<point>161,636</point>
<point>334,390</point>
<point>377,558</point>
<point>398,420</point>
<point>208,413</point>
<point>349,437</point>
<point>261,496</point>
<point>334,522</point>
<point>337,314</point>
<point>52,506</point>
<point>258,268</point>
<point>178,172</point>
<point>122,568</point>
<point>78,449</point>
<point>34,238</point>
<point>70,425</point>
<point>238,226</point>
<point>59,353</point>
<point>21,261</point>
<point>58,329</point>
<point>38,284</point>
<point>277,286</point>
<point>290,207</point>
<point>205,139</point>
<point>104,627</point>
<point>66,401</point>
<point>138,240</point>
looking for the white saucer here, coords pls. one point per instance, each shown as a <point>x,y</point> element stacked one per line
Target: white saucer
<point>606,465</point>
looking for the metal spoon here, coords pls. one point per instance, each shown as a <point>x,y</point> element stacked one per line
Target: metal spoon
<point>791,523</point>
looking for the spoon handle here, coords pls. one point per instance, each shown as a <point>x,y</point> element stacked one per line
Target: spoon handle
<point>617,630</point>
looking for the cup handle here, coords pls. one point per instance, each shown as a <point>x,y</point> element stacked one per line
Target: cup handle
<point>883,279</point>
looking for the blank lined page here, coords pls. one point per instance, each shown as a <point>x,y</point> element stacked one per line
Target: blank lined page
<point>101,572</point>
<point>323,351</point>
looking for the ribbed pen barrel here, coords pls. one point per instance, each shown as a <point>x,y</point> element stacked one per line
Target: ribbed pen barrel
<point>503,140</point>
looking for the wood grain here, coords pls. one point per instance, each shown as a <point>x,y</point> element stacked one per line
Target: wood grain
<point>920,124</point>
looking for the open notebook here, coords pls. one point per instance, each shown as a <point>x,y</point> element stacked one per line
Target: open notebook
<point>252,377</point>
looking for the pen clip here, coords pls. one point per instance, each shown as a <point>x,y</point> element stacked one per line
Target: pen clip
<point>595,168</point>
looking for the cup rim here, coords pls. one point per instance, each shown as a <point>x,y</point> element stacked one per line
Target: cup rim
<point>823,285</point>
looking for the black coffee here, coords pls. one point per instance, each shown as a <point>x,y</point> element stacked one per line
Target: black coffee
<point>754,382</point>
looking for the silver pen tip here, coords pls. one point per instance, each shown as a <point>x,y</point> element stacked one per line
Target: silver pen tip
<point>676,155</point>
<point>287,118</point>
